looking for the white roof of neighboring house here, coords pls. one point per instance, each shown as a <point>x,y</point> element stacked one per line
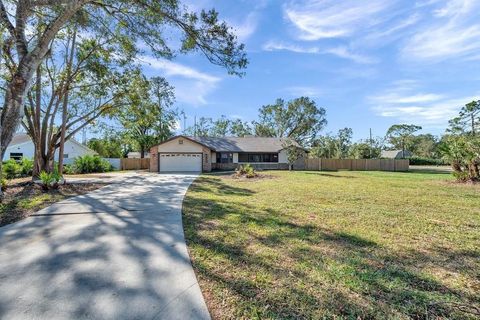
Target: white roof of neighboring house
<point>21,138</point>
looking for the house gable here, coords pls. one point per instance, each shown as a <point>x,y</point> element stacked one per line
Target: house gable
<point>179,144</point>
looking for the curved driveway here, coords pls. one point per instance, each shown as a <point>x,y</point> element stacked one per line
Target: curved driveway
<point>116,253</point>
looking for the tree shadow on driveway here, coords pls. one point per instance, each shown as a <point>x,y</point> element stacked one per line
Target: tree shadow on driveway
<point>117,253</point>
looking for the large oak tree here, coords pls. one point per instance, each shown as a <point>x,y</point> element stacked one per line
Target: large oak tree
<point>299,119</point>
<point>29,29</point>
<point>148,118</point>
<point>401,136</point>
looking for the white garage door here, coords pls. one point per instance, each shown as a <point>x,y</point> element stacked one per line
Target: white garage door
<point>170,162</point>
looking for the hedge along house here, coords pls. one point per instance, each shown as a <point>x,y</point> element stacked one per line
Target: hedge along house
<point>204,154</point>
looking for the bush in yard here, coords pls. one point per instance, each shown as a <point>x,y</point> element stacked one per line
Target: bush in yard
<point>11,169</point>
<point>68,169</point>
<point>91,164</point>
<point>246,170</point>
<point>463,152</point>
<point>27,166</point>
<point>419,161</point>
<point>50,180</point>
<point>4,184</point>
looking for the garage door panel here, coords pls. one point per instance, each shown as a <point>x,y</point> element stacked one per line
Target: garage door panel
<point>188,162</point>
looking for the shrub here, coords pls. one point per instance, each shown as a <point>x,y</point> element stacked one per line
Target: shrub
<point>419,161</point>
<point>4,184</point>
<point>11,169</point>
<point>27,166</point>
<point>50,180</point>
<point>461,176</point>
<point>68,169</point>
<point>246,170</point>
<point>90,164</point>
<point>463,151</point>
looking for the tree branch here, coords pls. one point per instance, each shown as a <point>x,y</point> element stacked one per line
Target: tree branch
<point>5,20</point>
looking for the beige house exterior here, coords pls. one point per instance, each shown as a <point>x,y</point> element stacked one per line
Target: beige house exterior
<point>204,154</point>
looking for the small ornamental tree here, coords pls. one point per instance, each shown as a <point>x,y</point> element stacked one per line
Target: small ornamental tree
<point>463,152</point>
<point>461,147</point>
<point>294,152</point>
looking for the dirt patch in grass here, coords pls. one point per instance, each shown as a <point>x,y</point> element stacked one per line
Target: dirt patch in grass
<point>259,176</point>
<point>23,197</point>
<point>342,245</point>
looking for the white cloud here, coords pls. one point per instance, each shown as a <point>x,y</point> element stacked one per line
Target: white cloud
<point>246,28</point>
<point>175,69</point>
<point>430,115</point>
<point>397,98</point>
<point>454,8</point>
<point>453,33</point>
<point>344,52</point>
<point>317,19</point>
<point>280,46</point>
<point>404,103</point>
<point>341,51</point>
<point>396,30</point>
<point>304,91</point>
<point>191,86</point>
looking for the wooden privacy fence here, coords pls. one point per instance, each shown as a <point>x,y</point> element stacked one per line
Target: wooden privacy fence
<point>316,164</point>
<point>134,164</point>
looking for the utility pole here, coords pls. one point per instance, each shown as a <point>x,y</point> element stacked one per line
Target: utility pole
<point>195,126</point>
<point>184,121</point>
<point>371,143</point>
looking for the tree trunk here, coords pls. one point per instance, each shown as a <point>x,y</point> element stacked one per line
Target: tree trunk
<point>29,61</point>
<point>11,114</point>
<point>456,167</point>
<point>142,152</point>
<point>41,163</point>
<point>473,124</point>
<point>65,104</point>
<point>474,171</point>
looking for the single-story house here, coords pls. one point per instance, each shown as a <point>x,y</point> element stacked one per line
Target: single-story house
<point>396,154</point>
<point>196,154</point>
<point>22,146</point>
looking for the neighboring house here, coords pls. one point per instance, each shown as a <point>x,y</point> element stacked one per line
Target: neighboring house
<point>22,147</point>
<point>137,155</point>
<point>196,154</point>
<point>396,154</point>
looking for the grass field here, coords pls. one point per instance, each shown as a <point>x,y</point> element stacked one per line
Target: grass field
<point>353,245</point>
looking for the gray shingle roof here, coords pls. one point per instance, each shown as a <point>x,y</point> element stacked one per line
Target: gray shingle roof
<point>395,154</point>
<point>244,144</point>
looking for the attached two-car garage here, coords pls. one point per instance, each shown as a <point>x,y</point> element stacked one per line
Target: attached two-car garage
<point>180,162</point>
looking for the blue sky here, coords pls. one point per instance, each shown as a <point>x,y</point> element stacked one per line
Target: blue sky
<point>370,64</point>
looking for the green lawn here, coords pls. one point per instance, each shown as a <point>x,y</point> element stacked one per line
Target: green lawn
<point>336,245</point>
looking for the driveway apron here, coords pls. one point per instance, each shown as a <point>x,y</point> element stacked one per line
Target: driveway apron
<point>116,253</point>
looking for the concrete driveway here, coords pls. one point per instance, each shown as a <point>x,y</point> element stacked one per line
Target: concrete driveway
<point>116,253</point>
